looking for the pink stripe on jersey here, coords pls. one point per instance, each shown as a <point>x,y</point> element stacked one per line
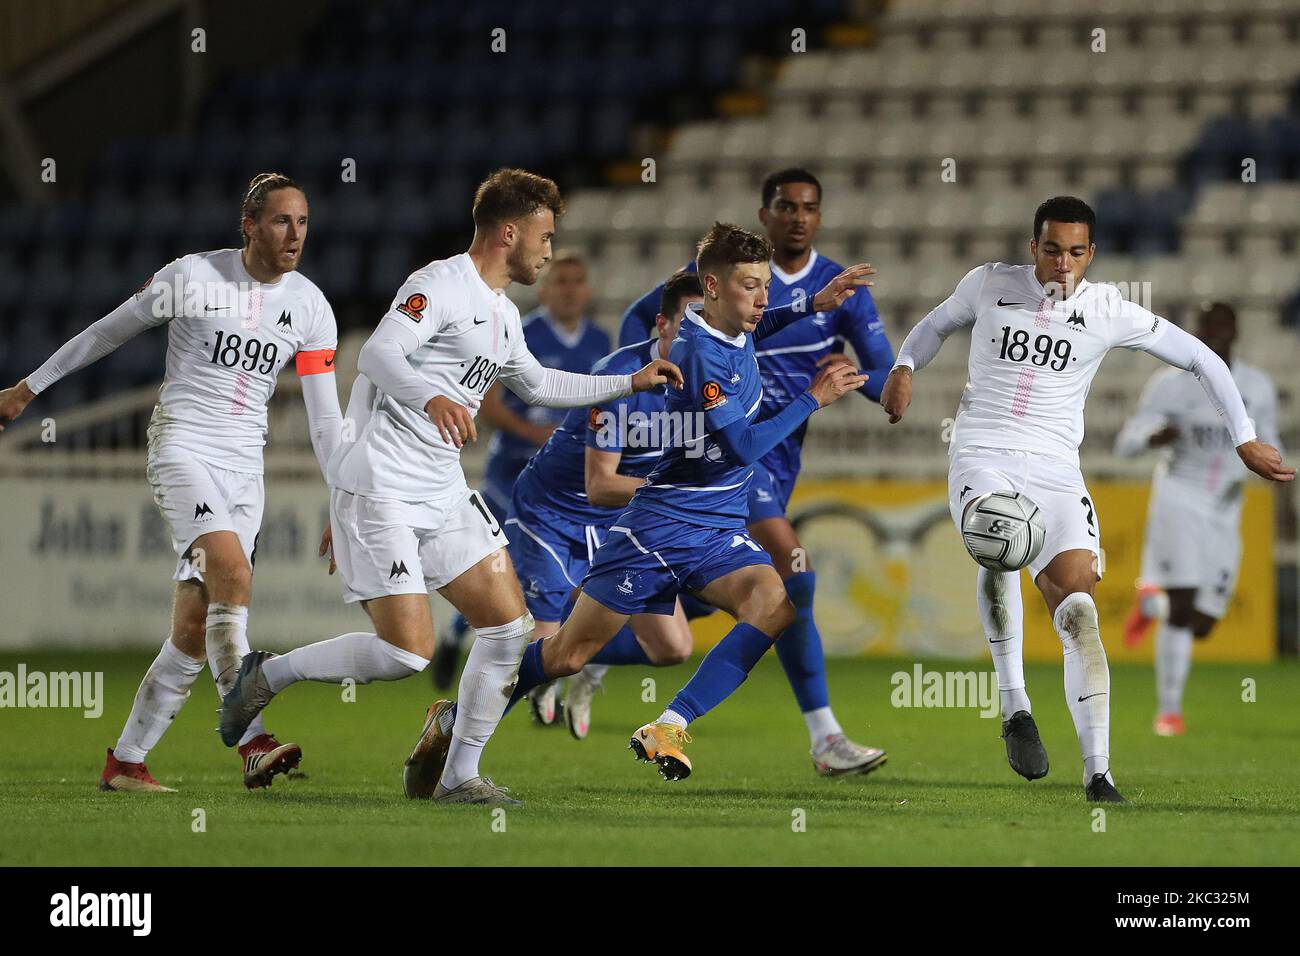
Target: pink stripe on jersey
<point>254,317</point>
<point>1020,401</point>
<point>1043,317</point>
<point>240,400</point>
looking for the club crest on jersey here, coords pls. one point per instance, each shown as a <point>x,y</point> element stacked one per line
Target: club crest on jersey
<point>414,306</point>
<point>625,586</point>
<point>713,397</point>
<point>1076,321</point>
<point>285,321</point>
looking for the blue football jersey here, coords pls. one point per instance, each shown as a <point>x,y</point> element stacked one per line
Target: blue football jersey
<point>788,359</point>
<point>694,481</point>
<point>555,478</point>
<point>554,347</point>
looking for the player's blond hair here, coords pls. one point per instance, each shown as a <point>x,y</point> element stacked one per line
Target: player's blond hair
<point>261,186</point>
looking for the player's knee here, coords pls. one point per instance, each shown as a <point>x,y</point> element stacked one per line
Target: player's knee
<point>669,653</point>
<point>229,582</point>
<point>776,614</point>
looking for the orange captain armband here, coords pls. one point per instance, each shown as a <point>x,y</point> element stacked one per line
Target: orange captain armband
<point>315,363</point>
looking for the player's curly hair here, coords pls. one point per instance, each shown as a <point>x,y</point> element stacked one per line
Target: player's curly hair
<point>726,245</point>
<point>261,186</point>
<point>510,194</point>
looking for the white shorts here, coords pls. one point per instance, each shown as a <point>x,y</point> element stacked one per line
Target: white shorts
<point>1053,484</point>
<point>196,498</point>
<point>1195,543</point>
<point>384,546</point>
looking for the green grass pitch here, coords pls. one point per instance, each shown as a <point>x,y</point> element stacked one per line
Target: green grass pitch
<point>1226,794</point>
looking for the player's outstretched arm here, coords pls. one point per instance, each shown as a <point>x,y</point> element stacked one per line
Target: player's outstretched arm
<point>745,443</point>
<point>927,337</point>
<point>90,345</point>
<point>832,295</point>
<point>1182,350</point>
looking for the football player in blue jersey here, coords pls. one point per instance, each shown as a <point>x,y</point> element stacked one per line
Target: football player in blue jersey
<point>561,335</point>
<point>787,362</point>
<point>570,493</point>
<point>684,529</point>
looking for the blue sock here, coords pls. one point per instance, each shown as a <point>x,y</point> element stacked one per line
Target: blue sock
<point>723,670</point>
<point>531,673</point>
<point>800,647</point>
<point>623,648</point>
<point>694,607</point>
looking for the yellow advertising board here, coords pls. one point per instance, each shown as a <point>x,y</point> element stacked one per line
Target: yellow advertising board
<point>893,577</point>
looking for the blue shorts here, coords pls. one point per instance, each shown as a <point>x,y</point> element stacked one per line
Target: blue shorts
<point>552,555</point>
<point>648,559</point>
<point>769,493</point>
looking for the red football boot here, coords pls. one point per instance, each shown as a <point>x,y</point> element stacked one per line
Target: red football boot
<point>264,757</point>
<point>119,775</point>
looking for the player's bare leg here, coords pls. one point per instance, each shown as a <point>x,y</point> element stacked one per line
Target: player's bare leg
<point>1067,584</point>
<point>664,640</point>
<point>1174,639</point>
<point>803,659</point>
<point>755,597</point>
<point>489,596</point>
<point>166,686</point>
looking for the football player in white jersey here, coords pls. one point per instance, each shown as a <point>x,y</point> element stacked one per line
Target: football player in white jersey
<point>407,522</point>
<point>1038,335</point>
<point>235,318</point>
<point>1192,547</point>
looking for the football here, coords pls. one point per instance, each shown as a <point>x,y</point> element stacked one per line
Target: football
<point>1003,531</point>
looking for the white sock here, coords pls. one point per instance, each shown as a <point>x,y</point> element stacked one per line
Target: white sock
<point>593,673</point>
<point>165,688</point>
<point>491,670</point>
<point>1173,663</point>
<point>227,643</point>
<point>361,656</point>
<point>821,725</point>
<point>1002,612</point>
<point>1087,676</point>
<point>672,717</point>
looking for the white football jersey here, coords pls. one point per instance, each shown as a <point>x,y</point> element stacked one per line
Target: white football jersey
<point>1033,356</point>
<point>1202,462</point>
<point>228,338</point>
<point>465,335</point>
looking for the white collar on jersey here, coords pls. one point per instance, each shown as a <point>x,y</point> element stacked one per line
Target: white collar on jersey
<point>737,340</point>
<point>466,264</point>
<point>790,278</point>
<point>568,339</point>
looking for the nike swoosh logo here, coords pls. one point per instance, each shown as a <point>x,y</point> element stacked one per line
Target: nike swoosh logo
<point>479,321</point>
<point>217,308</point>
<point>1090,696</point>
<point>329,362</point>
<point>1001,303</point>
<point>1000,640</point>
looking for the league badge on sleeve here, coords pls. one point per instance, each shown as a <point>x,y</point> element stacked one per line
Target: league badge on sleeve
<point>713,397</point>
<point>414,306</point>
